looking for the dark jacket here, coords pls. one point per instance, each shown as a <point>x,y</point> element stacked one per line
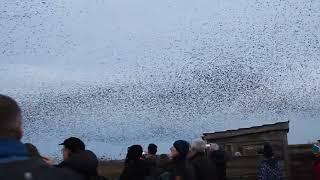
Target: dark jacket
<point>316,169</point>
<point>182,168</point>
<point>135,170</point>
<point>219,159</point>
<point>270,170</point>
<point>152,162</point>
<point>16,164</point>
<point>84,163</point>
<point>203,170</point>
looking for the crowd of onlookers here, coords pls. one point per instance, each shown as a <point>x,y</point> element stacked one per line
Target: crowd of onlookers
<point>193,161</point>
<point>186,161</point>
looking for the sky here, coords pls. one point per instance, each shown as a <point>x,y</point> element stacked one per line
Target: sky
<point>119,72</point>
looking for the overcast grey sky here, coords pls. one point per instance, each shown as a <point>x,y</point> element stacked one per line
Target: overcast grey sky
<point>111,67</point>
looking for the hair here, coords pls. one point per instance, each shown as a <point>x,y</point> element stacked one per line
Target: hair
<point>198,145</point>
<point>152,148</point>
<point>134,153</point>
<point>163,160</point>
<point>32,149</point>
<point>214,147</point>
<point>10,117</point>
<point>267,150</point>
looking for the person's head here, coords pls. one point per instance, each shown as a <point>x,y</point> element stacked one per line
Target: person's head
<point>237,154</point>
<point>316,149</point>
<point>317,143</point>
<point>163,159</point>
<point>71,146</point>
<point>134,153</point>
<point>267,151</point>
<point>214,147</point>
<point>152,149</point>
<point>10,118</point>
<point>180,149</point>
<point>198,146</point>
<point>33,151</point>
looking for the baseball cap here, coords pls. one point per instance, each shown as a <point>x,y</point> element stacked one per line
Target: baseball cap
<point>74,144</point>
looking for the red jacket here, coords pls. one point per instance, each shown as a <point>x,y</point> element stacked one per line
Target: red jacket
<point>316,170</point>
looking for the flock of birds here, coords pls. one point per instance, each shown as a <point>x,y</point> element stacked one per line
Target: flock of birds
<point>260,57</point>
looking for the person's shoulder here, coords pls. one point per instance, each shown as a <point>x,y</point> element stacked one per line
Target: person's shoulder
<point>142,162</point>
<point>61,173</point>
<point>194,160</point>
<point>198,157</point>
<point>37,168</point>
<point>189,164</point>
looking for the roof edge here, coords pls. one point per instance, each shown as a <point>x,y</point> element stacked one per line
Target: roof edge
<point>280,126</point>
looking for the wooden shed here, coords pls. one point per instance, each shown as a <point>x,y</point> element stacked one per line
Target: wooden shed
<point>242,145</point>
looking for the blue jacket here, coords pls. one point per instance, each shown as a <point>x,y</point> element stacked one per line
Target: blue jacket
<point>12,150</point>
<point>16,164</point>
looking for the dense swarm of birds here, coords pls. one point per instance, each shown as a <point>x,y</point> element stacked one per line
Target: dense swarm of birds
<point>260,57</point>
<point>33,27</point>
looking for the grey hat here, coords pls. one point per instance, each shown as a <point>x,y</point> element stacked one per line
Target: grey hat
<point>198,145</point>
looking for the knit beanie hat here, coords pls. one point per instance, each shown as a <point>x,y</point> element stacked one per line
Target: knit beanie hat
<point>182,147</point>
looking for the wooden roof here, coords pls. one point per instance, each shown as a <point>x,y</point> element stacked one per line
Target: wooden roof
<point>281,126</point>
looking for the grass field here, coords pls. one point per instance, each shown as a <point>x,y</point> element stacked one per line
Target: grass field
<point>111,169</point>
